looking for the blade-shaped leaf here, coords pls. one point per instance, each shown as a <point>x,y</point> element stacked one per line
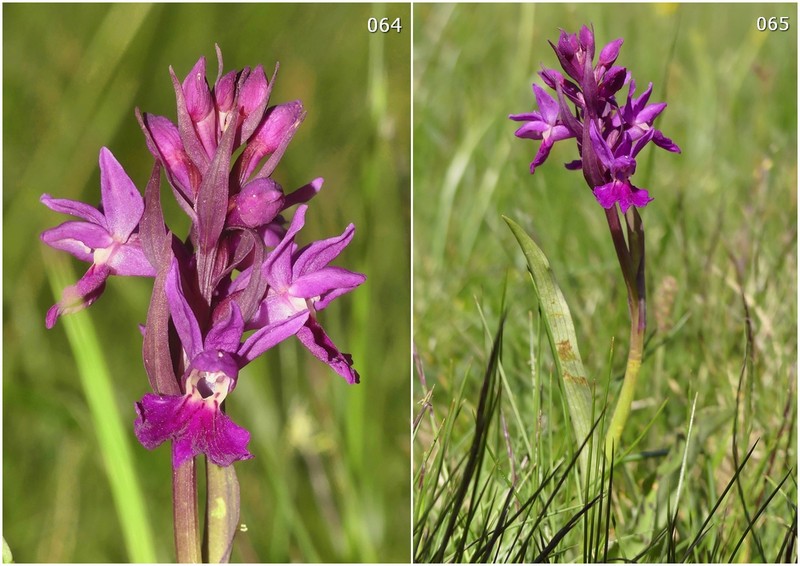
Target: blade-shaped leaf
<point>561,333</point>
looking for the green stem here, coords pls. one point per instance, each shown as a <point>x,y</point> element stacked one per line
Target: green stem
<point>184,505</point>
<point>623,407</point>
<point>633,272</point>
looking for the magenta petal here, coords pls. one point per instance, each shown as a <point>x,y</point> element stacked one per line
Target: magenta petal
<point>600,146</point>
<point>156,419</point>
<point>123,205</point>
<point>278,268</point>
<point>304,193</point>
<point>547,105</point>
<point>196,92</point>
<point>254,90</point>
<point>325,280</point>
<point>182,314</point>
<point>194,426</point>
<point>129,259</point>
<point>321,253</point>
<point>78,238</point>
<point>215,435</point>
<point>225,91</point>
<point>639,197</point>
<point>314,338</point>
<point>271,137</point>
<point>181,173</point>
<point>270,335</point>
<point>74,208</point>
<point>525,117</point>
<point>81,295</point>
<point>606,194</point>
<point>609,53</point>
<point>258,203</point>
<point>533,130</point>
<point>226,333</point>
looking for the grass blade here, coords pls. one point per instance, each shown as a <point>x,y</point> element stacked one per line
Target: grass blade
<point>107,422</point>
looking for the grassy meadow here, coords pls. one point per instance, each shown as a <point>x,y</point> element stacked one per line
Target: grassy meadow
<point>73,75</point>
<point>492,444</point>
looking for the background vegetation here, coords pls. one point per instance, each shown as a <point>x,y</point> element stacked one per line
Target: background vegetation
<point>72,77</point>
<point>722,285</point>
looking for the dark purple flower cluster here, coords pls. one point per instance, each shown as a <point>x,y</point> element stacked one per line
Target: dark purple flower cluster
<point>239,270</point>
<point>609,136</point>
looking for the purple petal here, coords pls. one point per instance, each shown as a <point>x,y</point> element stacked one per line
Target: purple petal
<point>271,138</point>
<point>664,142</point>
<point>165,144</point>
<point>196,93</point>
<point>533,130</point>
<point>600,146</point>
<point>321,253</point>
<point>638,197</point>
<point>547,105</point>
<point>609,53</point>
<point>278,268</point>
<point>182,314</point>
<point>324,281</point>
<point>215,435</point>
<point>226,333</point>
<point>77,238</point>
<point>81,295</point>
<point>650,113</point>
<point>318,343</point>
<point>194,427</point>
<point>254,97</point>
<point>200,105</point>
<point>525,117</point>
<point>74,208</point>
<point>613,80</point>
<point>191,143</point>
<point>254,90</point>
<point>586,37</point>
<point>213,361</point>
<point>130,259</point>
<point>270,335</point>
<point>258,203</point>
<point>607,195</point>
<point>304,193</point>
<point>541,155</point>
<point>225,92</point>
<point>123,205</point>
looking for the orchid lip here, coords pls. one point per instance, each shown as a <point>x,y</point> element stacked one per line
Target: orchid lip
<point>208,386</point>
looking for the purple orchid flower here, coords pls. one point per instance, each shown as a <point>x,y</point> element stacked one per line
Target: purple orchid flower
<point>544,125</point>
<point>107,238</point>
<point>638,117</point>
<point>621,164</point>
<point>300,280</point>
<point>615,133</point>
<point>195,421</point>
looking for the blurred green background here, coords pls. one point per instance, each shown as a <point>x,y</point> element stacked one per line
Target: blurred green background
<point>330,478</point>
<point>722,225</point>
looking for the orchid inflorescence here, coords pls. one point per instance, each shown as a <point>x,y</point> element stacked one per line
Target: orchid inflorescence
<point>240,270</point>
<point>609,135</point>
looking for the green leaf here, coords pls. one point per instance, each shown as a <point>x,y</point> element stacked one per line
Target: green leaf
<point>561,333</point>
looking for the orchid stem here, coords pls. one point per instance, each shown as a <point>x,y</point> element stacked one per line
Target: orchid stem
<point>626,393</point>
<point>184,504</point>
<point>631,258</point>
